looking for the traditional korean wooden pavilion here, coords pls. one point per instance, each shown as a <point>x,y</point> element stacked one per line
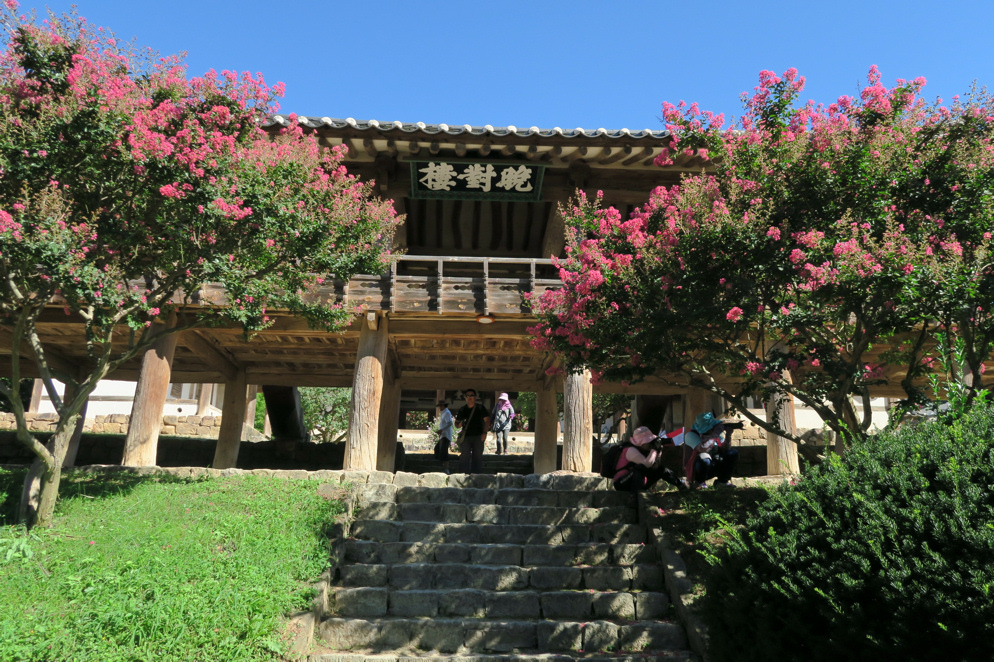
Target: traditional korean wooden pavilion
<point>481,226</point>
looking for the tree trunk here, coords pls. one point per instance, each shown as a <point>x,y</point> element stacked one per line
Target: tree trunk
<point>546,432</point>
<point>578,422</point>
<point>367,390</point>
<point>41,485</point>
<point>77,431</point>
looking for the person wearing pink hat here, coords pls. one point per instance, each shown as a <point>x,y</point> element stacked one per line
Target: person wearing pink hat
<point>502,416</point>
<point>638,466</point>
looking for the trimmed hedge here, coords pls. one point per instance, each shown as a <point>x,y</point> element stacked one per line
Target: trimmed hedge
<point>886,553</point>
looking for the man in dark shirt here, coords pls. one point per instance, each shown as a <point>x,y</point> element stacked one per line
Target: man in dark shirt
<point>477,421</point>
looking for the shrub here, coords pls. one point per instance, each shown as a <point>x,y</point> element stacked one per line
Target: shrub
<point>884,553</point>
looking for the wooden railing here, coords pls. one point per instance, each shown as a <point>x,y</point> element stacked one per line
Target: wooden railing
<point>449,284</point>
<point>436,284</point>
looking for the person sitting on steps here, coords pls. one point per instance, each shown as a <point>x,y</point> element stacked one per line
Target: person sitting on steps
<point>638,466</point>
<point>711,456</point>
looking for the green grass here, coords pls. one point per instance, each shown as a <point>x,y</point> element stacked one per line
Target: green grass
<point>156,568</point>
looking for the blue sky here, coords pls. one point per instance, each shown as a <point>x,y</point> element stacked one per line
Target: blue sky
<point>549,63</point>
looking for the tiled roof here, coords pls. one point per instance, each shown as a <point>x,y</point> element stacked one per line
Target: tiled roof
<point>466,129</point>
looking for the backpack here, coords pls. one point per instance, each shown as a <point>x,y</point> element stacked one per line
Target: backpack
<point>610,457</point>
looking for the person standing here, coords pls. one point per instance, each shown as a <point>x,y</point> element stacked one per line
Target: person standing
<point>444,434</point>
<point>473,417</point>
<point>502,416</point>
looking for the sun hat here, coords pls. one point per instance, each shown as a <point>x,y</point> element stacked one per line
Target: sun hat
<point>503,396</point>
<point>642,436</point>
<point>705,423</point>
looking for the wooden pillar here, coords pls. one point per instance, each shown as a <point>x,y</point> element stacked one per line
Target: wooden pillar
<point>72,449</point>
<point>386,447</point>
<point>250,400</point>
<point>695,402</point>
<point>36,390</point>
<point>578,423</point>
<point>232,418</point>
<point>781,454</point>
<point>546,432</point>
<point>142,442</point>
<point>204,399</point>
<point>367,390</point>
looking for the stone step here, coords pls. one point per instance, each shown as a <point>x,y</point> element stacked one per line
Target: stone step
<point>564,482</point>
<point>531,496</point>
<point>456,513</point>
<point>367,552</point>
<point>576,656</point>
<point>469,635</point>
<point>518,534</point>
<point>374,602</point>
<point>454,576</point>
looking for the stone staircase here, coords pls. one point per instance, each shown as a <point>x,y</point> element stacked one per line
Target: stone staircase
<point>425,462</point>
<point>497,568</point>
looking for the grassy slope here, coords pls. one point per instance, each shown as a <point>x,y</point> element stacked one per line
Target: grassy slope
<point>159,569</point>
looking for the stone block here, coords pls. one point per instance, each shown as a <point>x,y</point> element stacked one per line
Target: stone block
<point>651,636</point>
<point>516,604</point>
<point>566,605</point>
<point>600,636</point>
<point>381,477</point>
<point>363,574</point>
<point>414,604</point>
<point>407,552</point>
<point>548,578</point>
<point>632,554</point>
<point>463,603</point>
<point>592,554</point>
<point>421,512</point>
<point>483,514</point>
<point>576,499</point>
<point>618,533</point>
<point>495,554</point>
<point>536,515</point>
<point>166,420</point>
<point>463,533</point>
<point>355,477</point>
<point>365,602</point>
<point>430,532</point>
<point>377,510</point>
<point>442,635</point>
<point>560,636</point>
<point>647,577</point>
<point>650,605</point>
<point>348,634</point>
<point>207,421</point>
<point>453,553</point>
<point>203,431</point>
<point>614,606</point>
<point>542,555</point>
<point>377,530</point>
<point>405,479</point>
<point>432,479</point>
<point>412,577</point>
<point>528,497</point>
<point>378,492</point>
<point>184,429</point>
<point>607,578</point>
<point>168,430</point>
<point>408,494</point>
<point>501,637</point>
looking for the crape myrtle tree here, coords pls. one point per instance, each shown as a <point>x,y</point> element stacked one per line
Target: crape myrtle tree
<point>824,250</point>
<point>125,186</point>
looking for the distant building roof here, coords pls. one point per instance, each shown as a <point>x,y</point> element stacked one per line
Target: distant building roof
<point>466,129</point>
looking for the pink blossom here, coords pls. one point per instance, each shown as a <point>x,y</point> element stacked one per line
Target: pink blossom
<point>734,314</point>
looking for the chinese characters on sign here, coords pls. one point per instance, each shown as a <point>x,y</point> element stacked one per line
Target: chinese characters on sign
<point>440,179</point>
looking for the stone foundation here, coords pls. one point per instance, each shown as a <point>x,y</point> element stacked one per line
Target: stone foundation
<point>201,427</point>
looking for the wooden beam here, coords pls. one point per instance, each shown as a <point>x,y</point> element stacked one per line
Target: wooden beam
<point>370,147</point>
<point>532,153</point>
<point>367,392</point>
<point>546,431</point>
<point>611,156</point>
<point>575,155</point>
<point>213,356</point>
<point>62,367</point>
<point>644,152</point>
